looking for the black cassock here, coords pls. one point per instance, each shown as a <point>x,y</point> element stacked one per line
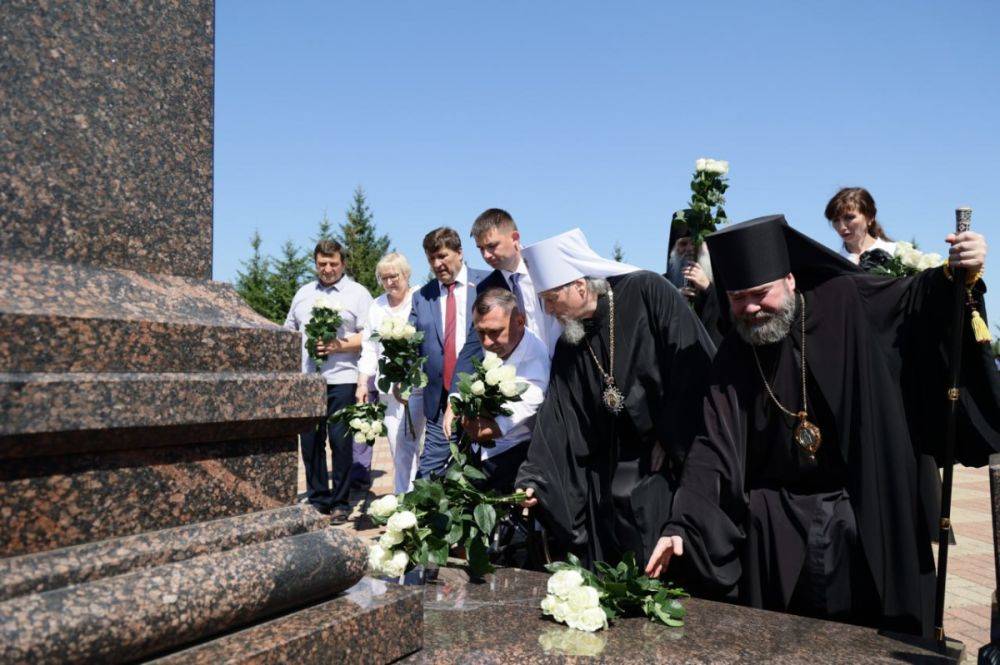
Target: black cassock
<point>845,536</point>
<point>591,469</point>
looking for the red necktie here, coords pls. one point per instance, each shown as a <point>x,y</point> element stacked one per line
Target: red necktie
<point>449,338</point>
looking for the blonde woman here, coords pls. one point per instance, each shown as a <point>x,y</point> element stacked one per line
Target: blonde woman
<point>393,274</point>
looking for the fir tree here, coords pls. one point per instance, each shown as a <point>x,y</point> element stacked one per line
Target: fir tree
<point>290,271</point>
<point>325,231</point>
<point>363,247</point>
<point>617,253</point>
<point>252,283</point>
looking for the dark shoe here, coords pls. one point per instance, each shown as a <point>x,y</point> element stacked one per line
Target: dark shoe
<point>339,515</point>
<point>318,507</point>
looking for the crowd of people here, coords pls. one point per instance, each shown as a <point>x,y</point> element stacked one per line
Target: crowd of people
<point>763,422</point>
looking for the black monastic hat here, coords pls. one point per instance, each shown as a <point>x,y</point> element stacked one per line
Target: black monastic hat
<point>764,249</point>
<point>678,229</point>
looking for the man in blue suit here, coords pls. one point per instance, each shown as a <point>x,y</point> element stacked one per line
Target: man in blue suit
<point>442,310</point>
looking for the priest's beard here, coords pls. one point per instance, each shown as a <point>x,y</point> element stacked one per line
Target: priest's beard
<point>766,327</point>
<point>676,263</point>
<point>573,331</point>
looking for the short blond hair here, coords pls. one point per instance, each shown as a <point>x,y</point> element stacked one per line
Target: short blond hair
<point>393,260</point>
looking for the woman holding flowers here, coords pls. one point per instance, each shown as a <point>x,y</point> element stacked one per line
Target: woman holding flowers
<point>388,315</point>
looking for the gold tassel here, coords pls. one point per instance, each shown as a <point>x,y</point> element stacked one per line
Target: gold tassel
<point>980,329</point>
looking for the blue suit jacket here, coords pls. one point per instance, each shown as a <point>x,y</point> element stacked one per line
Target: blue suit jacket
<point>426,317</point>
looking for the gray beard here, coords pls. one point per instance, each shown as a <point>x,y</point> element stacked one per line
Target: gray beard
<point>573,331</point>
<point>770,328</point>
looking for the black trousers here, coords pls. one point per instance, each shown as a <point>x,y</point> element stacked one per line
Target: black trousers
<point>338,396</point>
<point>501,471</point>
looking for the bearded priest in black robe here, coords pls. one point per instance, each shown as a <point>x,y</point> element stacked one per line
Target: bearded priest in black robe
<point>627,374</point>
<point>803,495</point>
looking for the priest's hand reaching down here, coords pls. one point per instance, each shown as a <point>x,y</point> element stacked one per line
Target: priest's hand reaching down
<point>530,502</point>
<point>666,547</point>
<point>968,250</point>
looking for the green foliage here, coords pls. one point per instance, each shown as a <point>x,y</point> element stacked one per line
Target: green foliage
<point>489,401</point>
<point>708,190</point>
<point>325,231</point>
<point>627,591</point>
<point>252,282</point>
<point>289,271</point>
<point>364,422</point>
<point>363,246</point>
<point>617,253</point>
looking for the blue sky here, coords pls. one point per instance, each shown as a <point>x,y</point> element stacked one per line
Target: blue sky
<point>591,114</point>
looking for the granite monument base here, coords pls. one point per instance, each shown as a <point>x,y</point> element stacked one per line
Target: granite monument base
<point>499,621</point>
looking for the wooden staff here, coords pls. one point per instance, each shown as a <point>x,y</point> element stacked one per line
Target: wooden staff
<point>963,222</point>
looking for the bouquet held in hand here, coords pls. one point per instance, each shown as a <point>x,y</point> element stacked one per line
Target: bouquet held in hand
<point>322,327</point>
<point>364,422</point>
<point>483,393</point>
<point>587,600</point>
<point>906,261</point>
<point>400,363</point>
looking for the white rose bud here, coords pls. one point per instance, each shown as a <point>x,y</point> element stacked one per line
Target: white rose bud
<point>359,437</point>
<point>409,331</point>
<point>390,539</point>
<point>508,373</point>
<point>477,388</point>
<point>549,604</point>
<point>590,620</point>
<point>560,610</point>
<point>355,423</point>
<point>384,506</point>
<point>385,330</point>
<point>700,164</point>
<point>371,436</point>
<point>723,167</point>
<point>931,260</point>
<point>376,557</point>
<point>491,361</point>
<point>564,581</point>
<point>494,376</point>
<point>509,388</point>
<point>583,598</point>
<point>396,565</point>
<point>402,520</point>
<point>903,246</point>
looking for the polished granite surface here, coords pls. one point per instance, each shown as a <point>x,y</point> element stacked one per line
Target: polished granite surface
<point>499,621</point>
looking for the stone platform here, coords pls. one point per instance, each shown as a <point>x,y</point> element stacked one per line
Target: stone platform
<point>499,621</point>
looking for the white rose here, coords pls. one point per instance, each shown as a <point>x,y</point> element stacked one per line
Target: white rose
<point>491,361</point>
<point>355,423</point>
<point>477,388</point>
<point>722,166</point>
<point>334,305</point>
<point>590,620</point>
<point>390,539</point>
<point>931,260</point>
<point>508,372</point>
<point>371,435</point>
<point>700,164</point>
<point>408,331</point>
<point>564,581</point>
<point>363,426</point>
<point>494,376</point>
<point>911,258</point>
<point>509,388</point>
<point>560,610</point>
<point>384,506</point>
<point>549,604</point>
<point>359,437</point>
<point>583,598</point>
<point>376,558</point>
<point>402,521</point>
<point>902,246</point>
<point>396,565</point>
<point>385,330</point>
<point>321,302</point>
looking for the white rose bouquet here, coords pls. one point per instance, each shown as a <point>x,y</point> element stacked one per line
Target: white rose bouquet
<point>322,327</point>
<point>708,192</point>
<point>400,363</point>
<point>397,550</point>
<point>364,422</point>
<point>484,392</point>
<point>587,600</point>
<point>906,261</point>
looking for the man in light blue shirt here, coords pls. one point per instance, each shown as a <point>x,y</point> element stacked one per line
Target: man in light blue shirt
<point>340,369</point>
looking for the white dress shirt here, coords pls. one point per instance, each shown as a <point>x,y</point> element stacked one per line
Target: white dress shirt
<point>886,246</point>
<point>354,300</point>
<point>461,298</point>
<point>546,327</point>
<point>531,359</point>
<point>378,312</point>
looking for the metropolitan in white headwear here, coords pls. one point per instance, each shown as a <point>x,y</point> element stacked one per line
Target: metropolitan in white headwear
<point>623,402</point>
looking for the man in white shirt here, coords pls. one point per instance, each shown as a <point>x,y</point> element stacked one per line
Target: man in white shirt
<point>500,327</point>
<point>340,369</point>
<point>499,242</point>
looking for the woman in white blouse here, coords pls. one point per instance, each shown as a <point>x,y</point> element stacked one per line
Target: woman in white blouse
<point>393,273</point>
<point>852,215</point>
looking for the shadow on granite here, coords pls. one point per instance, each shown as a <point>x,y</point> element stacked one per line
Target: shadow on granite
<point>499,621</point>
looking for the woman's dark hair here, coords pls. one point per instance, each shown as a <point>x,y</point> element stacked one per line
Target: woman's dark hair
<point>856,198</point>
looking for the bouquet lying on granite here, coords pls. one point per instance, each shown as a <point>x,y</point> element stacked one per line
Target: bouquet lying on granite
<point>483,393</point>
<point>322,327</point>
<point>587,600</point>
<point>438,514</point>
<point>364,422</point>
<point>907,260</point>
<point>401,363</point>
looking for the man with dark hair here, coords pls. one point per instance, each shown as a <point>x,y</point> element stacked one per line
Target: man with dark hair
<point>340,369</point>
<point>499,241</point>
<point>802,495</point>
<point>442,310</point>
<point>500,328</point>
